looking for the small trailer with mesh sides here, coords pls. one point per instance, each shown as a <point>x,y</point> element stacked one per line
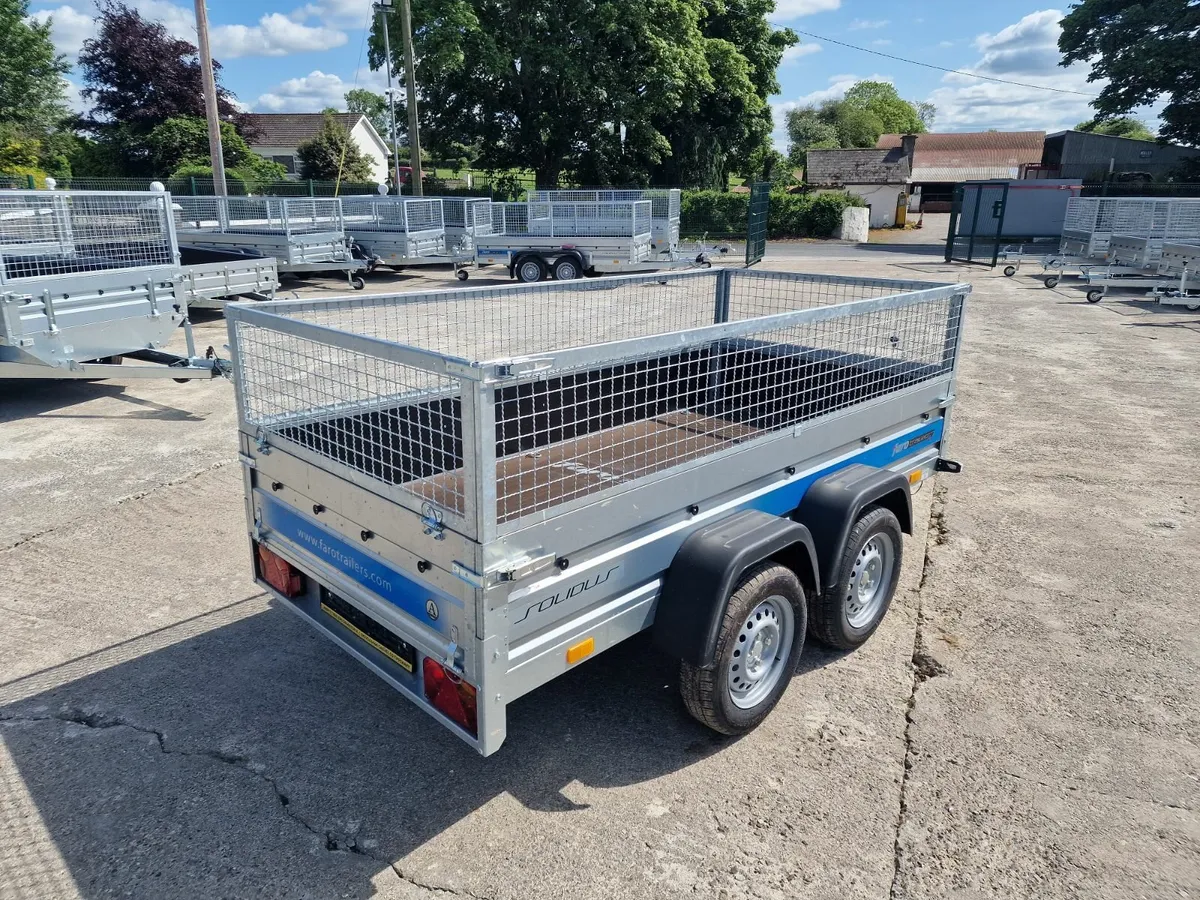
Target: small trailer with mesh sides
<point>467,219</point>
<point>1173,281</point>
<point>474,491</point>
<point>90,280</point>
<point>400,231</point>
<point>304,234</point>
<point>665,210</point>
<point>569,239</point>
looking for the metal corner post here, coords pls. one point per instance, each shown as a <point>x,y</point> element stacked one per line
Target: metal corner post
<point>721,306</point>
<point>479,457</point>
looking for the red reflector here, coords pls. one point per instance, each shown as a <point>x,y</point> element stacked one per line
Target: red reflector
<point>278,573</point>
<point>449,694</point>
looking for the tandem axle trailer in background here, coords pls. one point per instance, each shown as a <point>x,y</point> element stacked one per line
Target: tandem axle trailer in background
<point>401,231</point>
<point>303,234</point>
<point>89,279</point>
<point>473,491</point>
<point>665,210</point>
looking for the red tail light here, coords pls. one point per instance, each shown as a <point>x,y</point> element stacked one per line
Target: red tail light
<point>450,695</point>
<point>278,573</point>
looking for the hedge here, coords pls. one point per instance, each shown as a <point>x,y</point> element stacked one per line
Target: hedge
<point>720,213</point>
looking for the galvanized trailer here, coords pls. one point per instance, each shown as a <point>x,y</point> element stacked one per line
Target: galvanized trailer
<point>466,219</point>
<point>304,234</point>
<point>665,210</point>
<point>211,278</point>
<point>473,491</point>
<point>400,231</point>
<point>570,239</point>
<point>87,279</point>
<point>1173,281</point>
<point>1135,251</point>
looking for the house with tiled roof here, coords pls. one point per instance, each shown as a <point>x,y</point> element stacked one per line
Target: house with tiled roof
<point>879,177</point>
<point>277,136</point>
<point>940,161</point>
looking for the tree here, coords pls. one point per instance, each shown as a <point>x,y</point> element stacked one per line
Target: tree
<point>1144,51</point>
<point>1121,126</point>
<point>606,89</point>
<point>332,155</point>
<point>137,76</point>
<point>374,107</point>
<point>182,141</point>
<point>32,94</point>
<point>806,130</point>
<point>881,100</point>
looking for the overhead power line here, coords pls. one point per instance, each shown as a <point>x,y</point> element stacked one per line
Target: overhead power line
<point>1036,87</point>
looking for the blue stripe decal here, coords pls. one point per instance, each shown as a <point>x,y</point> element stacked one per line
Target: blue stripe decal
<point>783,500</point>
<point>359,565</point>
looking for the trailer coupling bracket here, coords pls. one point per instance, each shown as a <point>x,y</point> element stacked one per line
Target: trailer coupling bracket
<point>947,465</point>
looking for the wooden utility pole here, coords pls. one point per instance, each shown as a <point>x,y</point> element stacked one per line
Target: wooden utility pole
<point>410,80</point>
<point>210,101</point>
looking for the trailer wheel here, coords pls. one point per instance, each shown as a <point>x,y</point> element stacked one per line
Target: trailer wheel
<point>1010,271</point>
<point>567,268</point>
<point>1095,295</point>
<point>761,637</point>
<point>1050,281</point>
<point>461,275</point>
<point>530,269</point>
<point>1190,307</point>
<point>848,612</point>
<point>357,283</point>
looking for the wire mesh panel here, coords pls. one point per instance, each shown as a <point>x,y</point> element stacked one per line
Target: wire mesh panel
<point>46,233</point>
<point>259,215</point>
<point>1183,221</point>
<point>627,377</point>
<point>395,424</point>
<point>665,203</point>
<point>404,214</point>
<point>1081,214</point>
<point>578,220</point>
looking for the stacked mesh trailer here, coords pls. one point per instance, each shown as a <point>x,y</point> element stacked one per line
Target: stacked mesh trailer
<point>1139,255</point>
<point>303,234</point>
<point>466,219</point>
<point>87,279</point>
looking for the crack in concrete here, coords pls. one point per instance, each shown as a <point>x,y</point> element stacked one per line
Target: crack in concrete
<point>140,495</point>
<point>924,667</point>
<point>332,840</point>
<point>435,889</point>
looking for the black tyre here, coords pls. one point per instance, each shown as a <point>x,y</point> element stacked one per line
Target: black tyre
<point>529,270</point>
<point>758,647</point>
<point>1050,281</point>
<point>567,268</point>
<point>357,283</point>
<point>1010,271</point>
<point>461,275</point>
<point>1095,295</point>
<point>848,613</point>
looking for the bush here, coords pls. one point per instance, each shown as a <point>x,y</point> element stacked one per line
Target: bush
<point>18,177</point>
<point>180,181</point>
<point>722,213</point>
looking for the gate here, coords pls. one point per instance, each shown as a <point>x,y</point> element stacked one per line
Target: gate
<point>977,222</point>
<point>756,222</point>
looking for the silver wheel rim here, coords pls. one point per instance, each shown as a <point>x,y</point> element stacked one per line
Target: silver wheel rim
<point>869,580</point>
<point>530,271</point>
<point>761,652</point>
<point>565,271</point>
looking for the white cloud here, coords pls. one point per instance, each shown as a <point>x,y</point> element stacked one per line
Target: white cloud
<point>274,35</point>
<point>348,13</point>
<point>69,28</point>
<point>1026,51</point>
<point>317,90</point>
<point>860,24</point>
<point>787,10</point>
<point>795,52</point>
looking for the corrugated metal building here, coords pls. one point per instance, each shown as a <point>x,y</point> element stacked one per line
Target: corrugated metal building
<point>940,161</point>
<point>1090,157</point>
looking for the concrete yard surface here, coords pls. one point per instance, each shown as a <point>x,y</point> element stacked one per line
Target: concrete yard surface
<point>1023,725</point>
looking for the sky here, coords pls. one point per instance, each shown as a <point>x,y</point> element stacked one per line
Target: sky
<point>284,56</point>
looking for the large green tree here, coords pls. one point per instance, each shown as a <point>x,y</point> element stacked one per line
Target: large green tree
<point>881,101</point>
<point>869,109</point>
<point>32,93</point>
<point>606,90</point>
<point>1144,51</point>
<point>374,107</point>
